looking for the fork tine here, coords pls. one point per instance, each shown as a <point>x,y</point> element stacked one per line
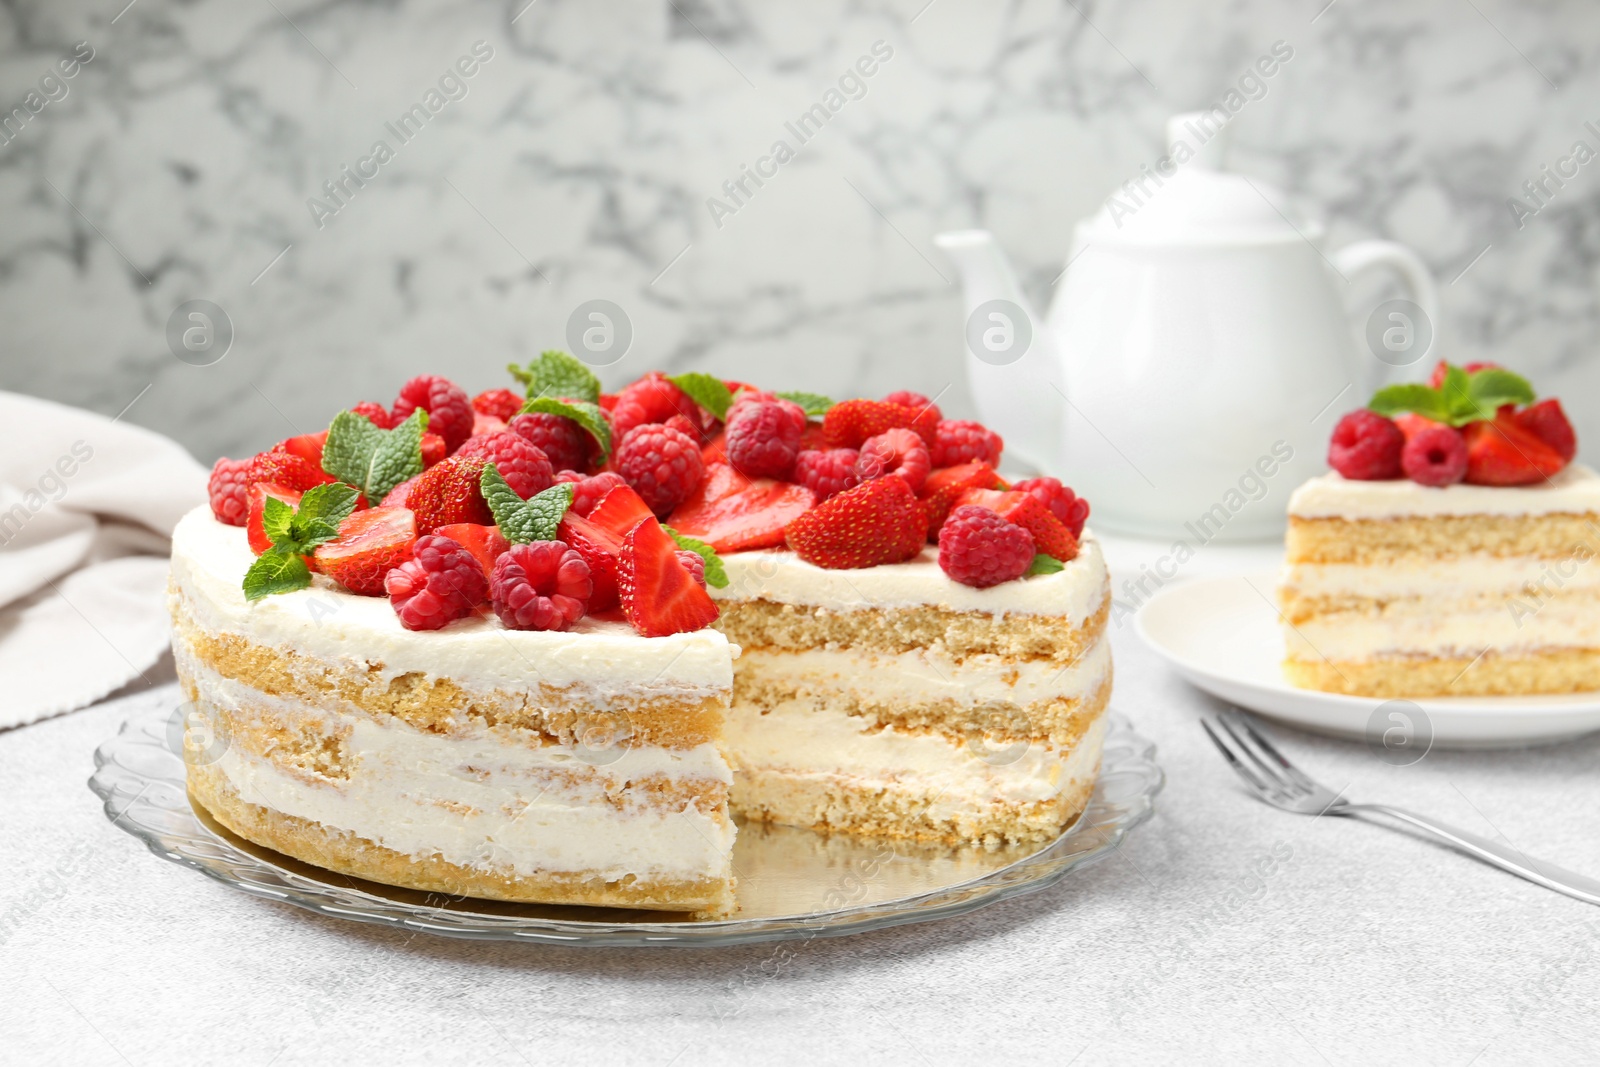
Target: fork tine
<point>1299,778</point>
<point>1271,773</point>
<point>1239,768</point>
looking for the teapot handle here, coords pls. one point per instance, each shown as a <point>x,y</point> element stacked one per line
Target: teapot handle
<point>1402,354</point>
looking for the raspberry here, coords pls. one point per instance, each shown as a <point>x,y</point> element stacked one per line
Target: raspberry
<point>542,585</point>
<point>449,410</point>
<point>827,472</point>
<point>376,414</point>
<point>915,400</point>
<point>749,397</point>
<point>980,549</point>
<point>229,489</point>
<point>662,465</point>
<point>962,441</point>
<point>688,428</point>
<point>897,452</point>
<point>433,449</point>
<point>586,492</point>
<point>1365,447</point>
<point>651,399</point>
<point>1436,457</point>
<point>694,564</point>
<point>442,582</point>
<point>565,442</point>
<point>763,440</point>
<point>1064,504</point>
<point>522,465</point>
<point>503,404</point>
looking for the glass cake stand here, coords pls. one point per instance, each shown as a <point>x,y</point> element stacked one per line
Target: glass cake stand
<point>792,883</point>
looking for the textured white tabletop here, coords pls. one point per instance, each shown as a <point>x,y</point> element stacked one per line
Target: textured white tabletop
<point>1365,946</point>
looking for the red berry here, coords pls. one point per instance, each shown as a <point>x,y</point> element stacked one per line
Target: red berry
<point>255,528</point>
<point>897,452</point>
<point>1436,379</point>
<point>1064,504</point>
<point>484,425</point>
<point>733,513</point>
<point>448,492</point>
<point>876,522</point>
<point>589,491</point>
<point>599,549</point>
<point>694,564</point>
<point>659,595</point>
<point>399,496</point>
<point>287,470</point>
<point>762,441</point>
<point>945,486</point>
<point>484,542</point>
<point>442,582</point>
<point>542,585</point>
<point>522,465</point>
<point>376,414</point>
<point>1436,457</point>
<point>308,446</point>
<point>369,545</point>
<point>228,489</point>
<point>1366,447</point>
<point>979,548</point>
<point>567,444</point>
<point>620,511</point>
<point>1050,534</point>
<point>827,472</point>
<point>449,410</point>
<point>958,441</point>
<point>750,397</point>
<point>689,428</point>
<point>914,401</point>
<point>651,399</point>
<point>663,465</point>
<point>1546,421</point>
<point>433,449</point>
<point>1501,452</point>
<point>502,404</point>
<point>850,422</point>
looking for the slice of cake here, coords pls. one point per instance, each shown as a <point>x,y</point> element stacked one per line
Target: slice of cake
<point>1451,552</point>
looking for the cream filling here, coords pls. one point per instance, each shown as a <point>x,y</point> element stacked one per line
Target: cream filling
<point>483,801</point>
<point>1501,624</point>
<point>925,676</point>
<point>808,739</point>
<point>1074,593</point>
<point>1447,579</point>
<point>606,661</point>
<point>1573,490</point>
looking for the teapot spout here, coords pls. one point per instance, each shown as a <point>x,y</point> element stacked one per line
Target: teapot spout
<point>1010,358</point>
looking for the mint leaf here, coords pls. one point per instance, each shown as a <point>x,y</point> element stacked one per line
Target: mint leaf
<point>557,374</point>
<point>1398,399</point>
<point>1491,387</point>
<point>275,571</point>
<point>1043,564</point>
<point>322,508</point>
<point>585,414</point>
<point>371,459</point>
<point>277,521</point>
<point>716,574</point>
<point>521,521</point>
<point>1457,402</point>
<point>708,391</point>
<point>816,405</point>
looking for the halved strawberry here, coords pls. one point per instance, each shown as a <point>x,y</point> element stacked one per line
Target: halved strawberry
<point>286,469</point>
<point>448,492</point>
<point>484,542</point>
<point>1412,424</point>
<point>1500,452</point>
<point>658,593</point>
<point>399,496</point>
<point>1050,534</point>
<point>257,494</point>
<point>599,548</point>
<point>1546,421</point>
<point>486,424</point>
<point>715,450</point>
<point>945,484</point>
<point>850,422</point>
<point>731,513</point>
<point>620,510</point>
<point>308,446</point>
<point>433,449</point>
<point>877,522</point>
<point>369,544</point>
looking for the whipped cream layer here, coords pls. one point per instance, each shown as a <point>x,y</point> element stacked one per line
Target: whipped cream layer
<point>925,676</point>
<point>1445,580</point>
<point>482,800</point>
<point>800,736</point>
<point>1574,490</point>
<point>1074,593</point>
<point>607,660</point>
<point>1504,625</point>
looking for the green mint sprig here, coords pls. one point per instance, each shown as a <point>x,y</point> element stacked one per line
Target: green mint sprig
<point>295,532</point>
<point>707,390</point>
<point>1043,564</point>
<point>1461,398</point>
<point>815,404</point>
<point>585,414</point>
<point>523,521</point>
<point>716,573</point>
<point>371,459</point>
<point>557,374</point>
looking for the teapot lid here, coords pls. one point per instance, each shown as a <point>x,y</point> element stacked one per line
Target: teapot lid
<point>1186,197</point>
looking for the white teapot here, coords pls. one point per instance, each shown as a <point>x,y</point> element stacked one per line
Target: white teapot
<point>1197,351</point>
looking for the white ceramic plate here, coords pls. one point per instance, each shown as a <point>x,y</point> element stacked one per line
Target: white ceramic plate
<point>1222,635</point>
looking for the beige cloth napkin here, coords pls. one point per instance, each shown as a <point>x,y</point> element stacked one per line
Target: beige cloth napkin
<point>87,507</point>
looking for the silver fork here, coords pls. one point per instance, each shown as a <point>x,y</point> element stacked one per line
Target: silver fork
<point>1274,779</point>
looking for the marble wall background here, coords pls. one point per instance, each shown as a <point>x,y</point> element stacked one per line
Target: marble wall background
<point>578,165</point>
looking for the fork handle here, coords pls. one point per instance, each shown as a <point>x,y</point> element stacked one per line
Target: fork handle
<point>1548,875</point>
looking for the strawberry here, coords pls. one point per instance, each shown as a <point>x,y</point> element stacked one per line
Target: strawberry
<point>1501,452</point>
<point>620,510</point>
<point>484,425</point>
<point>369,543</point>
<point>433,449</point>
<point>876,522</point>
<point>484,542</point>
<point>1412,424</point>
<point>658,593</point>
<point>730,512</point>
<point>599,548</point>
<point>1436,379</point>
<point>1546,421</point>
<point>258,493</point>
<point>400,494</point>
<point>944,485</point>
<point>715,450</point>
<point>849,423</point>
<point>308,446</point>
<point>1050,534</point>
<point>286,469</point>
<point>448,492</point>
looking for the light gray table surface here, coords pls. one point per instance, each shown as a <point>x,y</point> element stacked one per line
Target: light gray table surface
<point>1364,946</point>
